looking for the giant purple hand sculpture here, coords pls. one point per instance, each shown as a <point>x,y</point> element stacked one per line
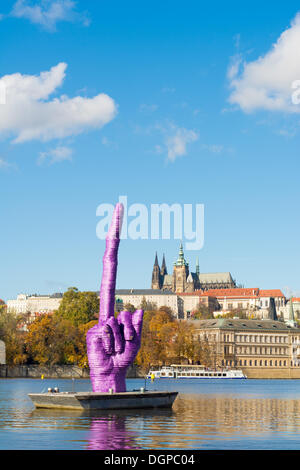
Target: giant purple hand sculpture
<point>113,343</point>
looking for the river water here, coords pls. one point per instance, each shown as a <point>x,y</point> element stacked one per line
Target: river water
<point>210,414</point>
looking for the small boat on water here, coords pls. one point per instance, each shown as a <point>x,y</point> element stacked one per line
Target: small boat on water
<point>176,371</point>
<point>136,399</point>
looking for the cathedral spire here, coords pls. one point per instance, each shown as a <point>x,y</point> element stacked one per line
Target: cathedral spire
<point>197,266</point>
<point>181,261</point>
<point>156,278</point>
<point>163,270</point>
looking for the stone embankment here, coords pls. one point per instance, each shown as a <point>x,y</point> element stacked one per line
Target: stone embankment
<point>57,371</point>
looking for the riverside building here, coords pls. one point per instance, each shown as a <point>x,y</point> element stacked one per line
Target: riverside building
<point>34,304</point>
<point>261,348</point>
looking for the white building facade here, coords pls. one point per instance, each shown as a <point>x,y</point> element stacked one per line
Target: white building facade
<point>34,304</point>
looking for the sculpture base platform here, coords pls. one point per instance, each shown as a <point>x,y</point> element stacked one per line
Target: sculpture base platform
<point>104,401</point>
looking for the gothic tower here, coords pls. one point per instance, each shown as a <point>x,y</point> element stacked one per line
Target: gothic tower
<point>163,270</point>
<point>180,272</point>
<point>156,278</point>
<point>197,267</point>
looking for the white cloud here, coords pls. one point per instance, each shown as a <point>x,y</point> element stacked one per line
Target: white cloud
<point>56,155</point>
<point>5,165</point>
<point>266,83</point>
<point>29,114</point>
<point>177,142</point>
<point>48,13</point>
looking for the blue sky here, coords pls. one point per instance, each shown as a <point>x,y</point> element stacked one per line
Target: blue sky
<point>124,84</point>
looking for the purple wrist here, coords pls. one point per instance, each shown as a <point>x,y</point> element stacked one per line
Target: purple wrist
<point>102,383</point>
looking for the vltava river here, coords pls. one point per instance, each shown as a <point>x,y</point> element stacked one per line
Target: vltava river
<point>212,414</point>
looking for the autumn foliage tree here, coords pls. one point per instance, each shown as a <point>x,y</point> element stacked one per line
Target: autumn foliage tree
<point>13,337</point>
<point>202,312</point>
<point>79,307</point>
<point>51,340</point>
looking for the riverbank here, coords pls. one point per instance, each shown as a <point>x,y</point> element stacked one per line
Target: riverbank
<point>134,372</point>
<point>57,371</point>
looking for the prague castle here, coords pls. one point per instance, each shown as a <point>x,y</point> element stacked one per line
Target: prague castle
<point>182,280</point>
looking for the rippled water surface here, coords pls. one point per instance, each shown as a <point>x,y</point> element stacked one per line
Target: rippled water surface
<point>211,414</point>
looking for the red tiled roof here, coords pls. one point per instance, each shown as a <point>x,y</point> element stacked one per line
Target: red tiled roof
<point>237,292</point>
<point>271,293</point>
<point>295,299</point>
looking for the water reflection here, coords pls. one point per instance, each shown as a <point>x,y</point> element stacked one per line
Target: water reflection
<point>110,433</point>
<point>197,421</point>
<point>224,418</point>
<point>107,430</point>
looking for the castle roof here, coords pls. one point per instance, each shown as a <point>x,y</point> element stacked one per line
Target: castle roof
<point>244,292</point>
<point>229,323</point>
<point>143,292</point>
<point>271,293</point>
<point>207,278</point>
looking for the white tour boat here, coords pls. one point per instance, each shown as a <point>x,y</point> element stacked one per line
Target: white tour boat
<point>194,372</point>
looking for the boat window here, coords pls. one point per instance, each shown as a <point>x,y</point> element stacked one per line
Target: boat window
<point>170,374</point>
<point>219,375</point>
<point>224,375</point>
<point>162,373</point>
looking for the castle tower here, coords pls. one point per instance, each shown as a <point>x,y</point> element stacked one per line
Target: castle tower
<point>180,272</point>
<point>156,278</point>
<point>197,267</point>
<point>163,270</point>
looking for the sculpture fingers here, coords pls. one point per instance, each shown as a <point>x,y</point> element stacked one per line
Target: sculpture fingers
<point>125,319</point>
<point>116,331</point>
<point>107,339</point>
<point>137,322</point>
<point>95,349</point>
<point>110,262</point>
